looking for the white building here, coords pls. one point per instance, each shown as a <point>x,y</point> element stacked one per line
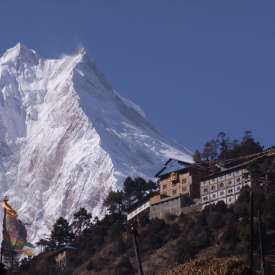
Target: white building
<point>224,186</point>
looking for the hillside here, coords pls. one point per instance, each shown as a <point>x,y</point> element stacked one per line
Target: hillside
<point>216,232</point>
<point>215,238</point>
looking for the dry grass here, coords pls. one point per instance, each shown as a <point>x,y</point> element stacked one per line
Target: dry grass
<point>211,266</point>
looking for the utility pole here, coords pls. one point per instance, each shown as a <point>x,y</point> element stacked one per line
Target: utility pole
<point>251,258</point>
<point>136,246</point>
<point>260,229</point>
<point>262,260</point>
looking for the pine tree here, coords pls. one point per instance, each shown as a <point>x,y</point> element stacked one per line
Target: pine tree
<point>197,156</point>
<point>224,145</point>
<point>43,244</point>
<point>61,234</point>
<point>114,202</point>
<point>206,151</point>
<point>138,188</point>
<point>82,220</point>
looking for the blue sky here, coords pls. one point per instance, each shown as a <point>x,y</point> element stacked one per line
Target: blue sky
<point>195,67</point>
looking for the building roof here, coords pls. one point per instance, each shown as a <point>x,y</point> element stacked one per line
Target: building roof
<point>224,172</point>
<point>172,165</point>
<point>239,163</point>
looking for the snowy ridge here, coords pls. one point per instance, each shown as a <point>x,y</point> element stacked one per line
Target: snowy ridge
<point>67,138</point>
<point>130,104</point>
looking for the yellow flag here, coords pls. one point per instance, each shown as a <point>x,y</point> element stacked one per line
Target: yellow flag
<point>9,210</point>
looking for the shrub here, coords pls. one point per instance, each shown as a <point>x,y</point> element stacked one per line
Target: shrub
<point>119,246</point>
<point>170,217</point>
<point>173,231</point>
<point>228,241</point>
<point>90,265</point>
<point>215,220</point>
<point>184,251</point>
<point>124,267</point>
<point>157,233</point>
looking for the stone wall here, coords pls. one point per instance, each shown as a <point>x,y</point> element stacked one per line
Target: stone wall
<point>172,206</point>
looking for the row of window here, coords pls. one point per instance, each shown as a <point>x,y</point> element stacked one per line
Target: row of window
<point>216,198</point>
<point>174,191</point>
<point>227,200</point>
<point>183,181</point>
<point>221,185</point>
<point>212,196</point>
<point>230,176</point>
<point>223,193</point>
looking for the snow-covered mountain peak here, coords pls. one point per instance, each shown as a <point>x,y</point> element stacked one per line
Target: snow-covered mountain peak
<point>20,54</point>
<point>67,137</point>
<point>82,51</point>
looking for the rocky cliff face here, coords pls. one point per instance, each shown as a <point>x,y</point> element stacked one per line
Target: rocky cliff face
<point>67,138</point>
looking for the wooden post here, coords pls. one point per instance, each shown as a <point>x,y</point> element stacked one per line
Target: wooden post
<point>135,234</point>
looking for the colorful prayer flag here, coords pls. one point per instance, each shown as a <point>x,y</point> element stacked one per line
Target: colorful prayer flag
<point>14,233</point>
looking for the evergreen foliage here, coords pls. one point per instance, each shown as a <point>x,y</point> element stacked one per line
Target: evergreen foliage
<point>82,220</point>
<point>43,243</point>
<point>223,148</point>
<point>61,234</point>
<point>197,156</point>
<point>134,190</point>
<point>114,202</point>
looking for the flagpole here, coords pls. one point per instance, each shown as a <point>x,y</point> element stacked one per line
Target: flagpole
<point>4,229</point>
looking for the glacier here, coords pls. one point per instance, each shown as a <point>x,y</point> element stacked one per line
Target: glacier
<point>68,138</point>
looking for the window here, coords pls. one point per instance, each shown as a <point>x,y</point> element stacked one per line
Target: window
<point>164,186</point>
<point>221,193</point>
<point>213,187</point>
<point>221,185</point>
<point>238,179</point>
<point>174,192</point>
<point>184,181</point>
<point>205,198</point>
<point>205,190</point>
<point>246,175</point>
<point>230,191</point>
<point>184,189</point>
<point>214,196</point>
